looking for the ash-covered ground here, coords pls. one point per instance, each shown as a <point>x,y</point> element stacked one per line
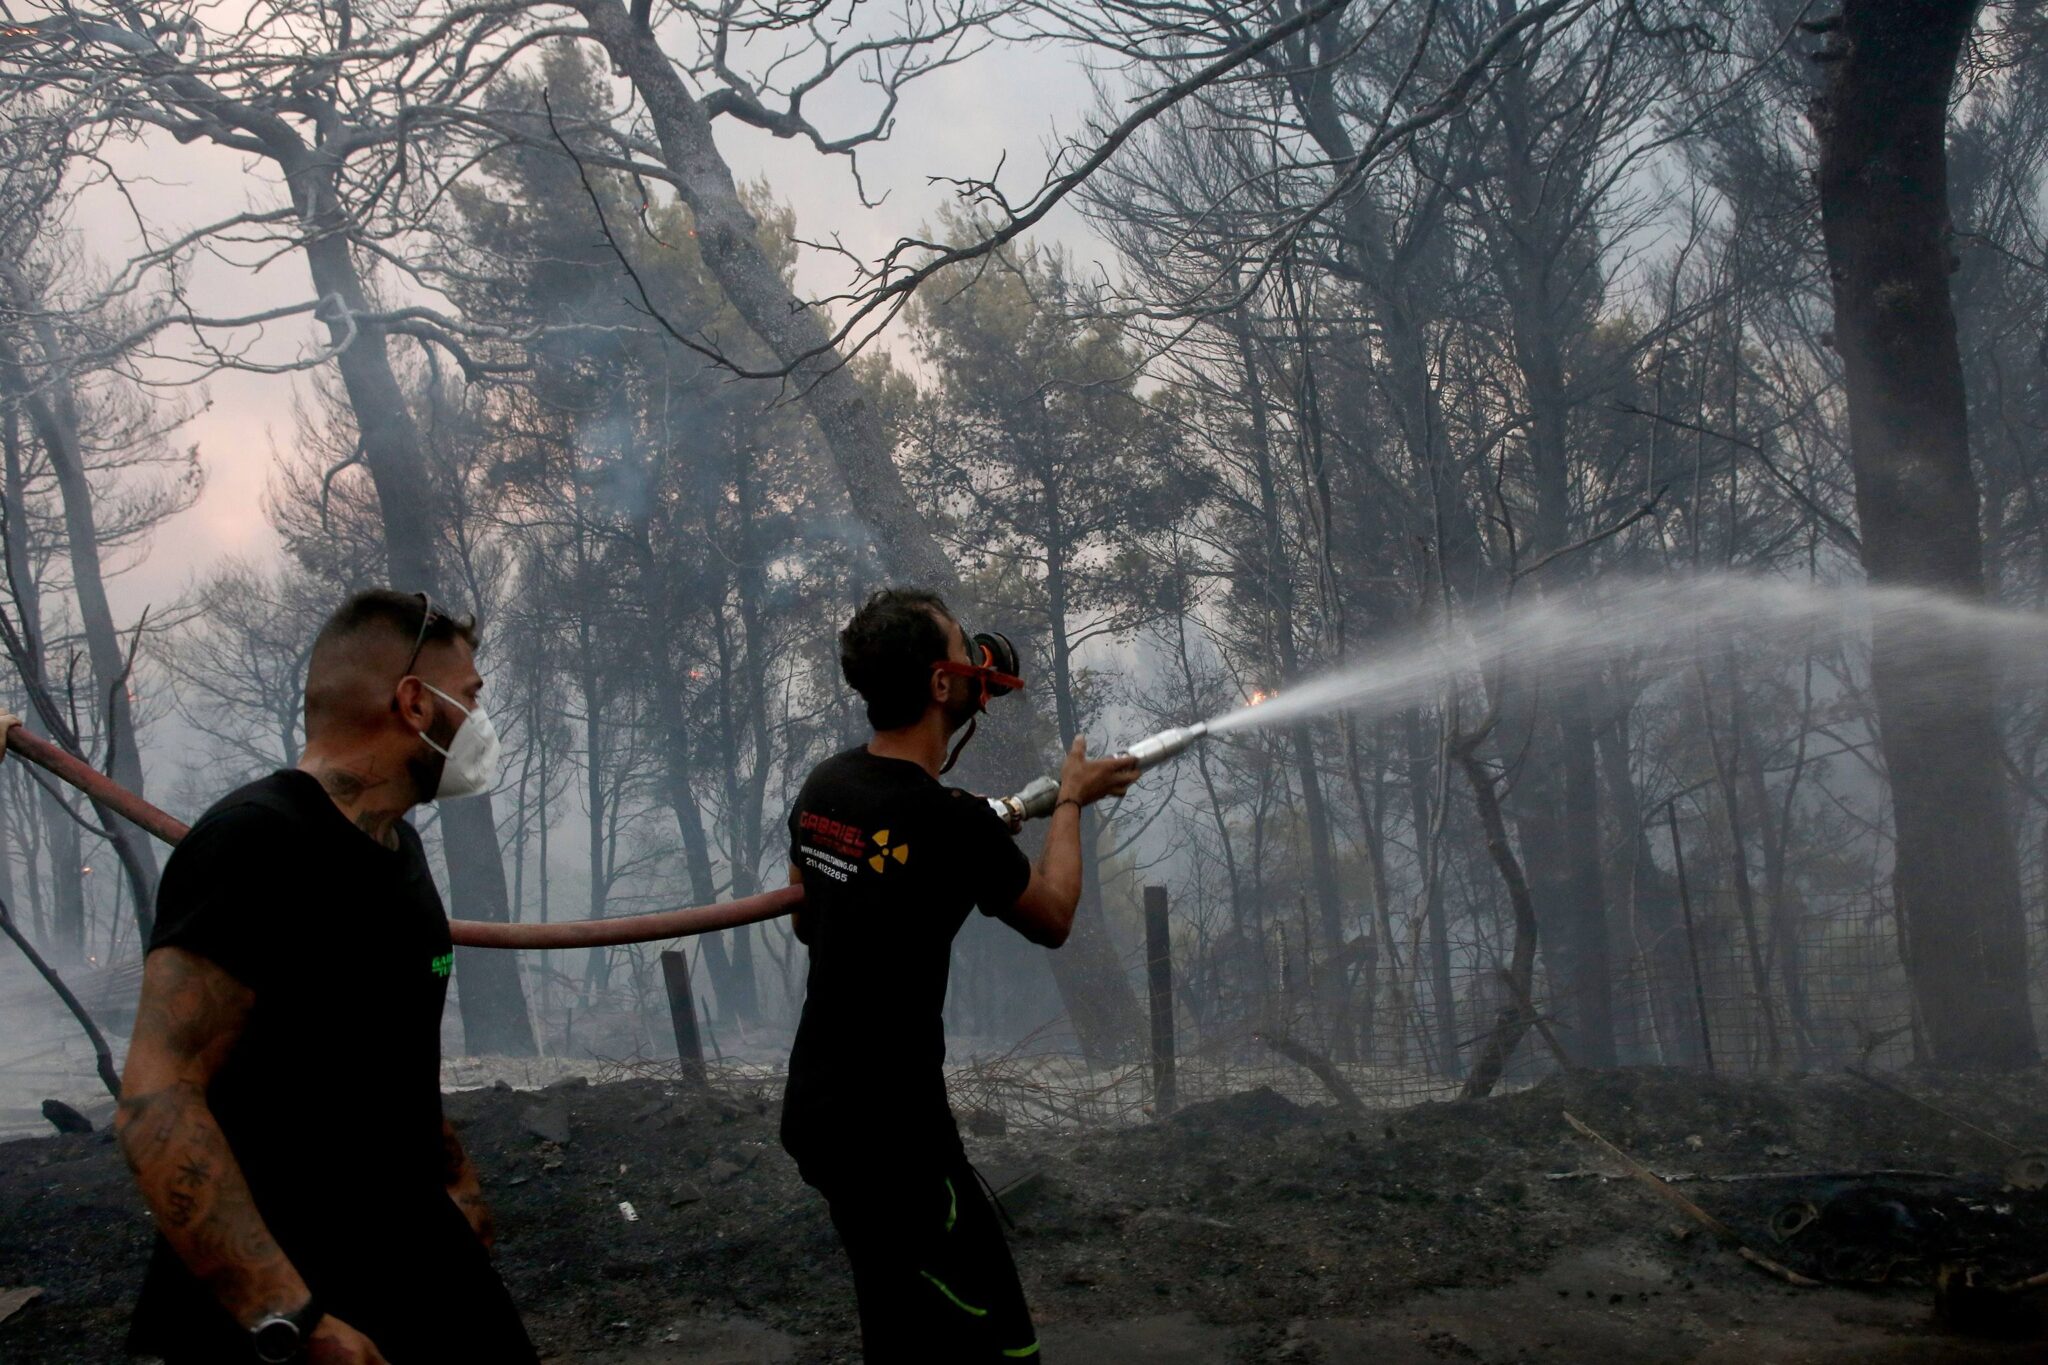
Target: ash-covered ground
<point>1245,1229</point>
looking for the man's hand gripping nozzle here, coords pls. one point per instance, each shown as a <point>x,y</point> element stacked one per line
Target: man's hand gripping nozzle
<point>1038,798</point>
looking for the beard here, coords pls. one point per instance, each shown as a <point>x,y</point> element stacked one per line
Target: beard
<point>424,767</point>
<point>425,771</point>
<point>958,713</point>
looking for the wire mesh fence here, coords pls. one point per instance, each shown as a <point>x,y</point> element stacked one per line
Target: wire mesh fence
<point>1826,990</point>
<point>1820,987</point>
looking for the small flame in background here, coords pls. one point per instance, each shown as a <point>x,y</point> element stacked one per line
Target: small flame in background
<point>1258,695</point>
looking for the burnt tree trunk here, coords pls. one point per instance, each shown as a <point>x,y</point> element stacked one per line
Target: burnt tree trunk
<point>67,884</point>
<point>1516,1016</point>
<point>63,933</point>
<point>1423,796</point>
<point>51,407</point>
<point>1782,901</point>
<point>678,772</point>
<point>492,1001</point>
<point>1270,569</point>
<point>667,669</point>
<point>1728,759</point>
<point>1656,932</point>
<point>489,994</point>
<point>1535,239</point>
<point>741,796</point>
<point>1092,985</point>
<point>1106,1021</point>
<point>1883,177</point>
<point>728,236</point>
<point>1365,950</point>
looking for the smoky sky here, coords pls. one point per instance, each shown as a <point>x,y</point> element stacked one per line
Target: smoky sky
<point>1003,107</point>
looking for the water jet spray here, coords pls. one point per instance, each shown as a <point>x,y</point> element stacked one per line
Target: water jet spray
<point>1659,621</point>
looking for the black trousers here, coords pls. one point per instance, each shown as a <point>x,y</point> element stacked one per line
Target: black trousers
<point>930,1267</point>
<point>425,1292</point>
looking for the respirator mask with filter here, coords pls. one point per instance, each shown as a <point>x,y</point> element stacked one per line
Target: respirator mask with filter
<point>991,670</point>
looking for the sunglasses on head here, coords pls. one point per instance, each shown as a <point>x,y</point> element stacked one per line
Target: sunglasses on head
<point>429,614</point>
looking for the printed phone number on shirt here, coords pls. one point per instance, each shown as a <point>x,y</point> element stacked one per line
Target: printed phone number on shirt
<point>838,869</point>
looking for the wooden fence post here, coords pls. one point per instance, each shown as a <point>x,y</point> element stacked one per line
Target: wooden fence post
<point>1159,972</point>
<point>682,1014</point>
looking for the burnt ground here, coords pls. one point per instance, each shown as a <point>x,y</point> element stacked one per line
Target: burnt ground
<point>1246,1229</point>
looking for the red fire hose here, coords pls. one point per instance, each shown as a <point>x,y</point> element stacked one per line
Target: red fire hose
<point>469,933</point>
<point>602,933</point>
<point>95,784</point>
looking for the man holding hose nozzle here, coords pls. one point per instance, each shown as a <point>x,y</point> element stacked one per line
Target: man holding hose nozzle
<point>891,861</point>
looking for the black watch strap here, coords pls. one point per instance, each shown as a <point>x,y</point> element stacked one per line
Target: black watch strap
<point>281,1338</point>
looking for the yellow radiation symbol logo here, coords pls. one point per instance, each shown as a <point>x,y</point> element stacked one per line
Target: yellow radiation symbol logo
<point>880,861</point>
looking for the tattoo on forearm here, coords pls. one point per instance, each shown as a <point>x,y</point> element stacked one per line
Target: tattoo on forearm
<point>188,1018</point>
<point>181,1201</point>
<point>202,1203</point>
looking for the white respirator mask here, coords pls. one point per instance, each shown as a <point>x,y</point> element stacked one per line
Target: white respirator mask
<point>471,758</point>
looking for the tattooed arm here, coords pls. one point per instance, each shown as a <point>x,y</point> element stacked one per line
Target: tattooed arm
<point>464,1188</point>
<point>189,1017</point>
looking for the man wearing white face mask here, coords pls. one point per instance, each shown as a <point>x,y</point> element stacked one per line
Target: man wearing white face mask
<point>281,1104</point>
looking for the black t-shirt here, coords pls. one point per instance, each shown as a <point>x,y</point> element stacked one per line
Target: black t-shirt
<point>331,1098</point>
<point>891,862</point>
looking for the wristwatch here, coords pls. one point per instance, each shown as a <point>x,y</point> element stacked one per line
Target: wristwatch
<point>281,1338</point>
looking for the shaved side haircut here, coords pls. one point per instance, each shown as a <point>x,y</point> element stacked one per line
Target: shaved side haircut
<point>363,650</point>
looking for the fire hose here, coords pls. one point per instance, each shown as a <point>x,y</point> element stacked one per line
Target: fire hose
<point>1033,801</point>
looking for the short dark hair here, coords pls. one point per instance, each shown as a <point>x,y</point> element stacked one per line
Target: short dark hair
<point>412,617</point>
<point>362,652</point>
<point>887,651</point>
